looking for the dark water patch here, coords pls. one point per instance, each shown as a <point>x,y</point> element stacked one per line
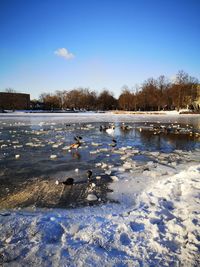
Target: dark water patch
<point>143,158</point>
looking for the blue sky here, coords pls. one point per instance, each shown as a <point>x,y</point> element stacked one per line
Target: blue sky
<point>109,43</point>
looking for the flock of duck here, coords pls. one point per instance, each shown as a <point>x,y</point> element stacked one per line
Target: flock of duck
<point>109,129</point>
<point>156,129</point>
<point>170,129</point>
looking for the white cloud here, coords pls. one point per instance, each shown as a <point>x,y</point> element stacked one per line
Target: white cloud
<point>63,52</point>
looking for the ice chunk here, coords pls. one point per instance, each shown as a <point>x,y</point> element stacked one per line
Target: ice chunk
<point>53,156</point>
<point>95,144</point>
<point>114,178</point>
<point>91,197</point>
<point>66,148</point>
<point>93,152</point>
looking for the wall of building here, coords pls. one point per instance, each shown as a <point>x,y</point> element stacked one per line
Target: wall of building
<point>14,101</point>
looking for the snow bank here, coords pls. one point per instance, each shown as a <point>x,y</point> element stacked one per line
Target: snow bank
<point>158,227</point>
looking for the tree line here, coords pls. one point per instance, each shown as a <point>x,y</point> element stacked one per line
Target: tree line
<point>160,93</point>
<point>81,98</point>
<point>152,94</point>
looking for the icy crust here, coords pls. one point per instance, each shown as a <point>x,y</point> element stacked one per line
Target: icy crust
<point>158,227</point>
<point>98,117</point>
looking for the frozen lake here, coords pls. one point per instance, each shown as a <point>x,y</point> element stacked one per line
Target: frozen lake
<point>35,153</point>
<point>140,208</point>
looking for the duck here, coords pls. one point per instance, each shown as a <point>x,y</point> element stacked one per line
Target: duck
<point>77,138</point>
<point>124,127</point>
<point>167,130</point>
<point>89,175</point>
<point>103,128</point>
<point>110,130</point>
<point>77,144</point>
<point>68,181</point>
<point>114,143</point>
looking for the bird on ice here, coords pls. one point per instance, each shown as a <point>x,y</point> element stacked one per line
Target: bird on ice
<point>70,180</point>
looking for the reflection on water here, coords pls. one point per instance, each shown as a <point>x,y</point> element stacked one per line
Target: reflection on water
<point>32,174</point>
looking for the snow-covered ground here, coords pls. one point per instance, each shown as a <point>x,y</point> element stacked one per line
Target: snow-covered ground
<point>156,226</point>
<point>160,228</point>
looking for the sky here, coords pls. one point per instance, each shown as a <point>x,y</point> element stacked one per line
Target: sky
<point>48,45</point>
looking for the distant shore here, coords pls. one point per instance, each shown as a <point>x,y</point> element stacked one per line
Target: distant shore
<point>114,112</point>
<point>162,112</point>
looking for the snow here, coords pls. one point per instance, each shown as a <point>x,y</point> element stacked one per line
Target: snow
<point>158,226</point>
<point>152,219</point>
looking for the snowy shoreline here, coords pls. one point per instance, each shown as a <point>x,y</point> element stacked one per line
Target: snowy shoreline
<point>161,228</point>
<point>111,112</point>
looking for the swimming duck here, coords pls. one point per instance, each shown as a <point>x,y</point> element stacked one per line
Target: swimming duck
<point>103,128</point>
<point>114,143</point>
<point>77,144</point>
<point>124,127</point>
<point>77,138</point>
<point>110,130</point>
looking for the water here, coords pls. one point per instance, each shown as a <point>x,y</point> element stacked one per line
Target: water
<point>30,178</point>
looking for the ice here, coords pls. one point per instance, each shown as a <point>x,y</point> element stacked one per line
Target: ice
<point>91,197</point>
<point>98,164</point>
<point>66,148</point>
<point>53,156</point>
<point>17,146</point>
<point>93,152</point>
<point>95,144</point>
<point>127,165</point>
<point>56,145</point>
<point>114,178</point>
<point>104,165</point>
<point>4,145</point>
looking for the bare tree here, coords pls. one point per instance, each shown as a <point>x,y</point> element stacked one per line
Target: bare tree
<point>162,85</point>
<point>50,101</point>
<point>106,100</point>
<point>126,100</point>
<point>10,90</point>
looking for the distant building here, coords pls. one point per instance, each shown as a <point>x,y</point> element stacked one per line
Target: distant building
<point>14,101</point>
